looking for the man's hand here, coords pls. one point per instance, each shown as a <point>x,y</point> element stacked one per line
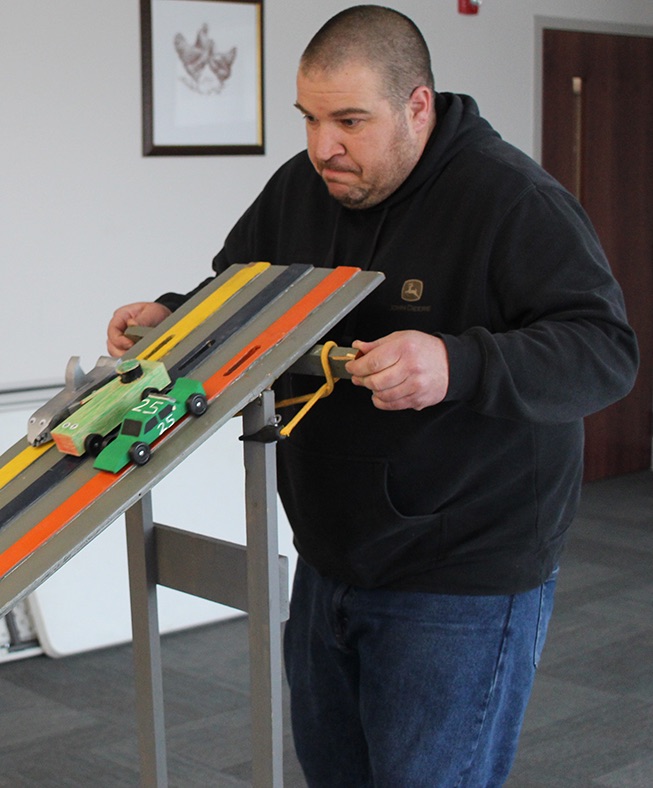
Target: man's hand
<point>142,313</point>
<point>406,369</point>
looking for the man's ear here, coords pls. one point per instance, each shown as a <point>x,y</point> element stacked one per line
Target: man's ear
<point>420,108</point>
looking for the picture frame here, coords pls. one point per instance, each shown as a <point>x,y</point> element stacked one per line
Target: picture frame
<point>202,77</point>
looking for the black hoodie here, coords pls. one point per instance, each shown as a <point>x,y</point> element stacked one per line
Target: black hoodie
<point>484,249</point>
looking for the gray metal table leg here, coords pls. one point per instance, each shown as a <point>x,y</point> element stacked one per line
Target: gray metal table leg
<point>263,596</point>
<point>266,607</point>
<point>141,555</point>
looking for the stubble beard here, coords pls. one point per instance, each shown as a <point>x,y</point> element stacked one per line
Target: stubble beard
<point>401,158</point>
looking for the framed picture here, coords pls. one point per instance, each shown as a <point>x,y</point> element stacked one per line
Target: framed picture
<point>202,71</point>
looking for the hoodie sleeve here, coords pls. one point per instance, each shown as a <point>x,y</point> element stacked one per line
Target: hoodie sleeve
<point>559,346</point>
<point>235,250</point>
<point>259,234</point>
<point>236,240</point>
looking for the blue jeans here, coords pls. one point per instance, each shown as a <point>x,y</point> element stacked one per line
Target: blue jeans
<point>399,690</point>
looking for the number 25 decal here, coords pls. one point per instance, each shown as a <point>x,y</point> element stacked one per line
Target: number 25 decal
<point>148,407</point>
<point>162,426</point>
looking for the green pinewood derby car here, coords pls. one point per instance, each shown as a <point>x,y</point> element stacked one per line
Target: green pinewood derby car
<point>148,420</point>
<point>86,429</point>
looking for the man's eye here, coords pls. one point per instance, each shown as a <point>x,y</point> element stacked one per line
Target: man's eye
<point>350,123</point>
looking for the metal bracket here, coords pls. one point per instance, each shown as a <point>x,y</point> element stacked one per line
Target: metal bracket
<point>271,433</point>
<point>268,433</point>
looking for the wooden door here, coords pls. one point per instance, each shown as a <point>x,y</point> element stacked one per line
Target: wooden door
<point>597,139</point>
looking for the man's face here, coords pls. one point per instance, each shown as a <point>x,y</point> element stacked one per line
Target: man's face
<point>360,145</point>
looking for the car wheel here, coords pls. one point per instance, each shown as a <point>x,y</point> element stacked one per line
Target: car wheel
<point>93,443</point>
<point>140,453</point>
<point>196,404</point>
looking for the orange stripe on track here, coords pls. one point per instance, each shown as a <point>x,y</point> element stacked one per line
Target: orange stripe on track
<point>278,330</point>
<point>82,498</point>
<point>54,522</point>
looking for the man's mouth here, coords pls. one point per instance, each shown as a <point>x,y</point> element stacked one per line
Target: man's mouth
<point>335,173</point>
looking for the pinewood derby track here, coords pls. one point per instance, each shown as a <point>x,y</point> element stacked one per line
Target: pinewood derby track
<point>236,336</point>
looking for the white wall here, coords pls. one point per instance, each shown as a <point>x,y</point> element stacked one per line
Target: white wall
<point>87,223</point>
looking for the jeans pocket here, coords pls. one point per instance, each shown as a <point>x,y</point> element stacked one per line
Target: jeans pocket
<point>547,591</point>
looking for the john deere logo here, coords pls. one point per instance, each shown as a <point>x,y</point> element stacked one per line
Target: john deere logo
<point>412,290</point>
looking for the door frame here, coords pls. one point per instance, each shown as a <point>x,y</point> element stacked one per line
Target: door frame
<point>576,26</point>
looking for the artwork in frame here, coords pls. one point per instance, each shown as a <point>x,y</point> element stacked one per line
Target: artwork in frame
<point>202,71</point>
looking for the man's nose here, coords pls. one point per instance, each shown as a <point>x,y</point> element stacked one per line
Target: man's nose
<point>326,144</point>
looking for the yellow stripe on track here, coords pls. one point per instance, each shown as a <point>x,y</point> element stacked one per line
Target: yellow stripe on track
<point>154,352</point>
<point>201,312</point>
<point>21,461</point>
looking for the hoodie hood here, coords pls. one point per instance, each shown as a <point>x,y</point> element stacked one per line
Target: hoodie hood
<point>458,125</point>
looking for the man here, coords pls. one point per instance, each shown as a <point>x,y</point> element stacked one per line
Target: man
<point>430,499</point>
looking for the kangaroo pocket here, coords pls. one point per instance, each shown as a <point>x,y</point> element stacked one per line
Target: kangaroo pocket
<point>345,524</point>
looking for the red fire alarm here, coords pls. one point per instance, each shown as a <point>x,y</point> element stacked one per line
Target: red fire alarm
<point>468,6</point>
